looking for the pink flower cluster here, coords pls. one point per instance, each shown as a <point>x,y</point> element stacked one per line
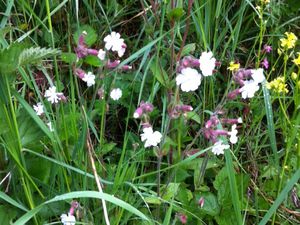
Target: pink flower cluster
<point>266,50</point>
<point>113,42</point>
<point>248,80</point>
<point>144,108</point>
<point>175,112</point>
<point>214,134</point>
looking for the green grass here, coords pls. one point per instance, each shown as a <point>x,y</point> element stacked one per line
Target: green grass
<point>42,171</point>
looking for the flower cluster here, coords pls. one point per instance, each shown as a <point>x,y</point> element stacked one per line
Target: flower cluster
<point>278,85</point>
<point>114,43</point>
<point>143,109</point>
<point>188,78</point>
<point>297,60</point>
<point>233,66</point>
<point>150,137</point>
<point>266,50</point>
<point>216,135</point>
<point>289,42</point>
<point>248,80</point>
<point>53,97</point>
<point>69,219</point>
<point>176,111</point>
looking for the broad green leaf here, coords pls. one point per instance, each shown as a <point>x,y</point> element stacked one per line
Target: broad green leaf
<point>68,57</point>
<point>93,61</point>
<point>211,205</point>
<point>194,116</point>
<point>91,36</point>
<point>169,191</point>
<point>9,58</point>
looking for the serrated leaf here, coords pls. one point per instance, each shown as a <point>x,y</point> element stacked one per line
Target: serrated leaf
<point>91,36</point>
<point>68,57</point>
<point>34,55</point>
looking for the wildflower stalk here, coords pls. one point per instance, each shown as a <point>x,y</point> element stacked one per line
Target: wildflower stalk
<point>90,152</point>
<point>187,26</point>
<point>261,34</point>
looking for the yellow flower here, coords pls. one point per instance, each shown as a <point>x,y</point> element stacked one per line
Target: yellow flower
<point>290,40</point>
<point>278,85</point>
<point>265,1</point>
<point>294,76</point>
<point>297,60</point>
<point>233,66</point>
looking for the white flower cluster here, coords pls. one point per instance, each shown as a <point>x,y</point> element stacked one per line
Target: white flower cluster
<point>151,138</point>
<point>189,79</point>
<point>251,86</point>
<point>115,43</point>
<point>68,219</point>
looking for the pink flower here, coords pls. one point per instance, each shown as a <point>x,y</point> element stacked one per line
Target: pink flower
<point>267,48</point>
<point>183,218</point>
<point>265,63</point>
<point>201,202</point>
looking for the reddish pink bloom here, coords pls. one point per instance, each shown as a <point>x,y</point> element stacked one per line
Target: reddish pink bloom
<point>201,202</point>
<point>183,218</point>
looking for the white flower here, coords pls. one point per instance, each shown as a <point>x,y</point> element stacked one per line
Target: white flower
<point>151,138</point>
<point>116,94</point>
<point>233,138</point>
<point>89,78</point>
<point>219,147</point>
<point>101,54</point>
<point>249,89</point>
<point>189,79</point>
<point>68,219</point>
<point>49,124</point>
<point>258,75</point>
<point>53,96</point>
<point>207,63</point>
<point>240,120</point>
<point>115,43</point>
<point>39,108</point>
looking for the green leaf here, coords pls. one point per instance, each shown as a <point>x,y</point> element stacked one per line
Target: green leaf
<point>169,191</point>
<point>34,55</point>
<point>81,194</point>
<point>68,57</point>
<point>194,116</point>
<point>91,36</point>
<point>9,58</point>
<point>152,200</point>
<point>211,206</point>
<point>93,61</point>
<point>283,195</point>
<point>159,73</point>
<point>175,14</point>
<point>11,201</point>
<point>188,49</point>
<point>7,214</point>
